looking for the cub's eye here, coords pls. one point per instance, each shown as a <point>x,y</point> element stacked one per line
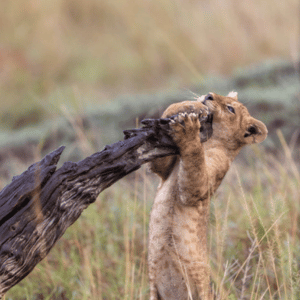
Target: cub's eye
<point>231,109</point>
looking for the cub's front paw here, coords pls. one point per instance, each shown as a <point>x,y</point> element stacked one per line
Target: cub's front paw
<point>185,129</point>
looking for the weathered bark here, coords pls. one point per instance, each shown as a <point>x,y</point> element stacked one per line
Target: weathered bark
<point>40,204</point>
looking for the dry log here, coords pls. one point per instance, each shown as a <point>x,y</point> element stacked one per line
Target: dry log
<point>40,204</point>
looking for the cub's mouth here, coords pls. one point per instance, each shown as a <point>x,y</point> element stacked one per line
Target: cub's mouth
<point>206,129</point>
<point>206,121</point>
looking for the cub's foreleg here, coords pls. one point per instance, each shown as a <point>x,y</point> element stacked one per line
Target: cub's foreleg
<point>192,178</point>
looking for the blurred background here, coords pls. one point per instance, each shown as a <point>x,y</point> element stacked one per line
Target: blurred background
<point>97,50</point>
<point>78,72</point>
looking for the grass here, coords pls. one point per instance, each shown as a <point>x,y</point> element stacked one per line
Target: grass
<point>106,48</point>
<point>268,214</point>
<point>253,238</point>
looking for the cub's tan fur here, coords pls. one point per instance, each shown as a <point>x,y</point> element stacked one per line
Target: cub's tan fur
<point>178,262</point>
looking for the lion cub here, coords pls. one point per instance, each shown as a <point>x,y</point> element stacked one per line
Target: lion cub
<point>178,262</point>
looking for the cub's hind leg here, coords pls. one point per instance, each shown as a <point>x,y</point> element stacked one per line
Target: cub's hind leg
<point>153,292</point>
<point>200,275</point>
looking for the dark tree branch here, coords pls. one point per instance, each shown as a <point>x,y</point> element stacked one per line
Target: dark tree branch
<point>40,204</point>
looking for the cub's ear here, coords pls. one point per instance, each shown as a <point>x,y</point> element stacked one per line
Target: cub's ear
<point>256,132</point>
<point>233,95</point>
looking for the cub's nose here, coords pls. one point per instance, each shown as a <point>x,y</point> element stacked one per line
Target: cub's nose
<point>208,97</point>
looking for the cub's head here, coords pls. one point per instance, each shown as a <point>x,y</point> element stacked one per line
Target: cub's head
<point>232,123</point>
